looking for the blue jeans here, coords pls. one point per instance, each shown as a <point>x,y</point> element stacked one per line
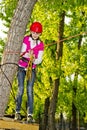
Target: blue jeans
<point>30,83</point>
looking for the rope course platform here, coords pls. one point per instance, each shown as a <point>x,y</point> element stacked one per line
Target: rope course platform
<point>10,124</point>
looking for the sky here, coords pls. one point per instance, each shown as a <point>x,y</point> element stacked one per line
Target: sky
<point>2,28</point>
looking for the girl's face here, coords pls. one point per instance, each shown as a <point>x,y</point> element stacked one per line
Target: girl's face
<point>35,35</point>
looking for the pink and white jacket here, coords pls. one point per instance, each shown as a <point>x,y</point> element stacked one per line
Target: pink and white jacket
<point>37,51</point>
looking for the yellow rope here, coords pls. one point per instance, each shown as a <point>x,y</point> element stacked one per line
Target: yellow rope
<point>29,69</point>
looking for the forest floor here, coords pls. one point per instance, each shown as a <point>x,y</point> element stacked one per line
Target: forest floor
<point>10,124</point>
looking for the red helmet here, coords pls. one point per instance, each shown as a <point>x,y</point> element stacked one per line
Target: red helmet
<point>36,27</point>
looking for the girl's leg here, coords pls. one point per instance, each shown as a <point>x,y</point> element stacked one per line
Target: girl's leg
<point>30,85</point>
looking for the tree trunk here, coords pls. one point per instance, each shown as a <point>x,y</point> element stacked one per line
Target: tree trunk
<point>74,109</point>
<point>44,122</point>
<point>74,121</point>
<point>12,49</point>
<point>52,108</point>
<point>53,102</point>
<point>61,122</point>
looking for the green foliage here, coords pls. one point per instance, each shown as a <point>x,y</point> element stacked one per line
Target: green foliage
<point>73,60</point>
<point>1,48</point>
<point>7,9</point>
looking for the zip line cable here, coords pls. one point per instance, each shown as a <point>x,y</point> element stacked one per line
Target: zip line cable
<point>8,80</point>
<point>62,40</point>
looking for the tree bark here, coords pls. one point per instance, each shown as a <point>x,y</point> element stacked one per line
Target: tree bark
<point>12,49</point>
<point>44,122</point>
<point>74,120</point>
<point>52,107</point>
<point>53,102</point>
<point>74,109</point>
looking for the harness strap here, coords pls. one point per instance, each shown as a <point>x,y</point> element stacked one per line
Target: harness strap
<point>24,59</point>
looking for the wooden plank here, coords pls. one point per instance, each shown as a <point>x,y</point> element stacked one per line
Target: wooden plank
<point>12,125</point>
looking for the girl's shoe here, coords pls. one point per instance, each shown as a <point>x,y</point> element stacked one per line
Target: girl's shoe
<point>30,119</point>
<point>17,116</point>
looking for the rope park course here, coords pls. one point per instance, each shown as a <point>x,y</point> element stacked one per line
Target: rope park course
<point>74,36</point>
<point>28,75</point>
<point>30,62</point>
<point>29,69</point>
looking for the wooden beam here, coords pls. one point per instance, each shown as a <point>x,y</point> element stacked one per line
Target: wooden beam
<point>13,125</point>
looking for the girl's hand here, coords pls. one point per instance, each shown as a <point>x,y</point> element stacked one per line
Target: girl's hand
<point>30,53</point>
